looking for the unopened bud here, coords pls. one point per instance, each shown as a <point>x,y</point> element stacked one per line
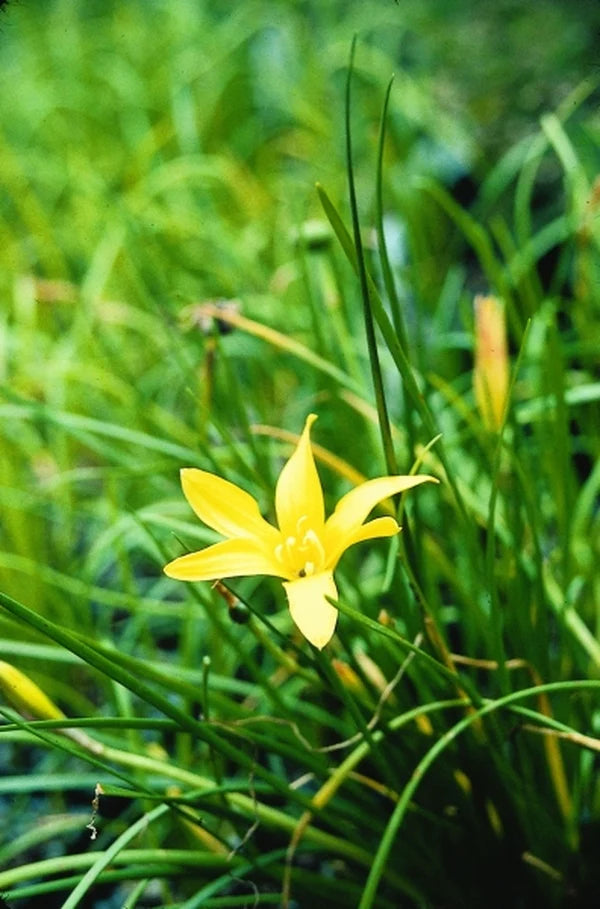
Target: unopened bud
<point>491,373</point>
<point>347,676</point>
<point>25,696</point>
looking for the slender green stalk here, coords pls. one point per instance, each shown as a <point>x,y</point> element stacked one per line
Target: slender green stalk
<point>91,656</point>
<point>382,410</point>
<point>397,816</point>
<point>103,861</point>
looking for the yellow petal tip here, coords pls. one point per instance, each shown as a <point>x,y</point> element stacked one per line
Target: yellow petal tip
<point>310,609</point>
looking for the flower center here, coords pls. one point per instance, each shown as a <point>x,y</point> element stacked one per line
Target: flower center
<point>302,554</point>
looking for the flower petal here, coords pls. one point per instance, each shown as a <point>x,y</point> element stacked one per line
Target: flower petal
<point>225,507</point>
<point>312,613</point>
<point>299,493</point>
<point>378,527</point>
<point>228,559</point>
<point>352,509</point>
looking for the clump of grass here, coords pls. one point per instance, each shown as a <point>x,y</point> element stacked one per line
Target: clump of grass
<point>177,295</point>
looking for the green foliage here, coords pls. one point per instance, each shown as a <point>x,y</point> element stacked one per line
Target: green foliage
<point>157,161</point>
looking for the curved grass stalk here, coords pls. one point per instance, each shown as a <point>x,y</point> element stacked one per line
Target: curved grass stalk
<point>110,854</point>
<point>552,727</point>
<point>553,756</point>
<point>281,341</point>
<point>146,693</point>
<point>343,772</point>
<point>386,842</point>
<point>249,806</point>
<point>88,860</point>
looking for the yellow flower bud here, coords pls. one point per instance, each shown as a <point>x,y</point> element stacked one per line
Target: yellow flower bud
<point>25,696</point>
<point>347,676</point>
<point>491,373</point>
<point>372,672</point>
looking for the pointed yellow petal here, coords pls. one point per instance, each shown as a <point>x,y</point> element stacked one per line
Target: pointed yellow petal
<point>312,613</point>
<point>299,493</point>
<point>229,559</point>
<point>225,507</point>
<point>342,527</point>
<point>378,527</point>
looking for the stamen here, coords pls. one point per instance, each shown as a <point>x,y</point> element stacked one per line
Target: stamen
<point>311,539</point>
<point>301,524</point>
<point>302,554</point>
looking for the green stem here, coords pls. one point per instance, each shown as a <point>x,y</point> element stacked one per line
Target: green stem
<point>150,696</point>
<point>380,859</point>
<point>382,411</point>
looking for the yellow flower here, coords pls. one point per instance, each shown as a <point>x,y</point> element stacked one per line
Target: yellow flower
<point>303,550</point>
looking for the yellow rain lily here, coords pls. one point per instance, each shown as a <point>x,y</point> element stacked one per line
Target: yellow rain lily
<point>303,550</point>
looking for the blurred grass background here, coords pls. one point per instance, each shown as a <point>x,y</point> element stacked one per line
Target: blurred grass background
<point>157,157</point>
